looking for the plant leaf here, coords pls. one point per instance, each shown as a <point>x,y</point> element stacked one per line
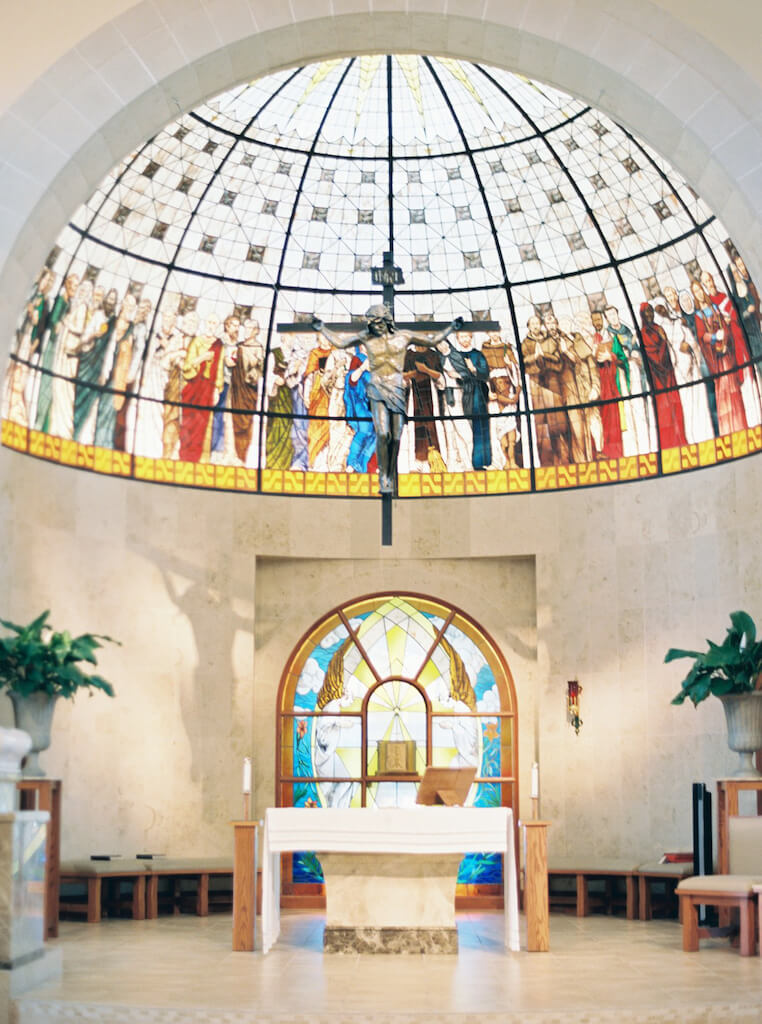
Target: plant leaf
<point>676,652</point>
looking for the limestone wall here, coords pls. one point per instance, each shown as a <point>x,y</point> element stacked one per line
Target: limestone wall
<point>208,593</point>
<point>620,573</point>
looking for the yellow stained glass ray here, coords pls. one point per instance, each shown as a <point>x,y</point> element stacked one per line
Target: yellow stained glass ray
<point>456,69</point>
<point>436,679</point>
<point>379,706</point>
<point>396,694</point>
<point>351,758</point>
<point>441,659</point>
<point>322,71</point>
<point>411,70</point>
<point>404,732</point>
<point>371,635</point>
<point>396,637</point>
<point>423,632</point>
<point>430,673</point>
<point>444,755</point>
<point>368,68</point>
<point>364,675</point>
<point>396,602</point>
<point>352,658</point>
<point>396,641</point>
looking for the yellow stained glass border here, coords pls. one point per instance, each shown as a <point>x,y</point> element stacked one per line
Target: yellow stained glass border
<point>215,476</point>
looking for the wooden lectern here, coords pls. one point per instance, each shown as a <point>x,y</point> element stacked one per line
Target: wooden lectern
<point>448,786</point>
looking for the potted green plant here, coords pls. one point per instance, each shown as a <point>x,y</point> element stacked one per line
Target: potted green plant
<point>732,672</point>
<point>37,666</point>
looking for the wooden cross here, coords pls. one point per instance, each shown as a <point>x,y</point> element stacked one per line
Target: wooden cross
<point>389,276</point>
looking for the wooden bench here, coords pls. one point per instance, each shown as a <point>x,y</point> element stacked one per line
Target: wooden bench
<point>90,875</point>
<point>667,875</point>
<point>593,870</point>
<point>175,870</point>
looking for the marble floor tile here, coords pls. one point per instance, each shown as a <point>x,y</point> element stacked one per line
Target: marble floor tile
<point>181,970</point>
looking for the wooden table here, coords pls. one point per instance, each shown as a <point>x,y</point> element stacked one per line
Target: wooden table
<point>45,795</point>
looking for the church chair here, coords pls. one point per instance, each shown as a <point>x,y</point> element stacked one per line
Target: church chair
<point>734,890</point>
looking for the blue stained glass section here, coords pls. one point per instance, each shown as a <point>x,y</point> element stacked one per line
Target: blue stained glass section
<point>475,869</point>
<point>490,751</point>
<point>305,701</point>
<point>323,655</point>
<point>306,868</point>
<point>305,795</point>
<point>481,869</point>
<point>303,749</point>
<point>488,795</point>
<point>485,680</point>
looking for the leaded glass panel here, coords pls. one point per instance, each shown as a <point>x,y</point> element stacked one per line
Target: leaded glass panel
<point>162,339</point>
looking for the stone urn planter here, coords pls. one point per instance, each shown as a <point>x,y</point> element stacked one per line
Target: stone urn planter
<point>34,714</point>
<point>732,672</point>
<point>743,714</point>
<point>39,664</point>
<point>14,746</point>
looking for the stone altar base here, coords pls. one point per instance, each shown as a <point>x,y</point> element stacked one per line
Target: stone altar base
<point>390,940</point>
<point>390,903</point>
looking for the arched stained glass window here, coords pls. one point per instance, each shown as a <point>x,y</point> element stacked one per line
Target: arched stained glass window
<point>379,689</point>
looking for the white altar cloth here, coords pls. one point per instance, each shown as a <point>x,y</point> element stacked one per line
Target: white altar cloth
<point>416,830</point>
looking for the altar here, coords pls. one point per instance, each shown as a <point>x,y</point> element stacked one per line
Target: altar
<point>390,873</point>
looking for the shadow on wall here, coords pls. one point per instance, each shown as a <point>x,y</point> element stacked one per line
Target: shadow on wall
<point>207,692</point>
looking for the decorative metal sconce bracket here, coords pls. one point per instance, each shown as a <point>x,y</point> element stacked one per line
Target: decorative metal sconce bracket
<point>573,693</point>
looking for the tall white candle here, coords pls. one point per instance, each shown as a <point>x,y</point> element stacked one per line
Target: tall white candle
<point>535,781</point>
<point>247,775</point>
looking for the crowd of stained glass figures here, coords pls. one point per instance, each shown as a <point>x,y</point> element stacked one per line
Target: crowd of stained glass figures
<point>201,387</point>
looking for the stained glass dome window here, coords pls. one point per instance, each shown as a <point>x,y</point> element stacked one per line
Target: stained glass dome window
<point>379,689</point>
<point>611,329</point>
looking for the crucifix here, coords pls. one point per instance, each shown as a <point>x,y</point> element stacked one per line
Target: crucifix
<point>385,343</point>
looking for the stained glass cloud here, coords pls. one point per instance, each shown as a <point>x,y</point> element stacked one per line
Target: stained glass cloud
<point>629,330</point>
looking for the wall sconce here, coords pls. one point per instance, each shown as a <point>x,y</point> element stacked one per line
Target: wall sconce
<point>573,691</point>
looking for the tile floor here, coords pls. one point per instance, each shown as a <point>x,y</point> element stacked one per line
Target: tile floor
<point>181,970</point>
